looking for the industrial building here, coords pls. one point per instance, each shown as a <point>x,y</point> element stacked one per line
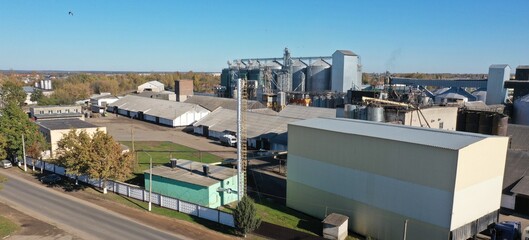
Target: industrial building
<point>56,112</point>
<point>212,103</point>
<point>53,130</point>
<point>183,89</point>
<point>296,77</point>
<point>163,112</point>
<point>439,184</point>
<point>206,185</point>
<point>163,95</point>
<point>264,130</point>
<point>151,86</point>
<point>99,102</point>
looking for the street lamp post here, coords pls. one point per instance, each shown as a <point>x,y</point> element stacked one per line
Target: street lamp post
<point>150,180</point>
<point>24,153</point>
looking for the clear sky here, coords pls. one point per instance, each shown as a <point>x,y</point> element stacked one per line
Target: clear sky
<point>464,36</point>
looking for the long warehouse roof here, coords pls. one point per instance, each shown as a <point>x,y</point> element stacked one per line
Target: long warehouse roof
<point>302,112</point>
<point>416,135</point>
<point>212,103</point>
<point>155,107</point>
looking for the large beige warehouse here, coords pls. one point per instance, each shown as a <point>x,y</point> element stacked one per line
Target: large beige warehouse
<point>381,175</point>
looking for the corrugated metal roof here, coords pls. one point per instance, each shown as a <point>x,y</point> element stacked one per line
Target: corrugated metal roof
<point>257,124</point>
<point>302,112</point>
<point>154,83</point>
<point>347,52</point>
<point>212,103</point>
<point>516,167</point>
<point>155,107</point>
<point>416,135</point>
<point>61,124</point>
<point>519,136</point>
<point>522,187</point>
<point>192,172</point>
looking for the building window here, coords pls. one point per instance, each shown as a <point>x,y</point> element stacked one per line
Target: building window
<point>440,125</point>
<point>41,112</point>
<point>50,111</point>
<point>58,111</point>
<point>76,110</point>
<point>67,110</point>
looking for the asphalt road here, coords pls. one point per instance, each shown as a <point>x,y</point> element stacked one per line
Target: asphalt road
<point>83,219</point>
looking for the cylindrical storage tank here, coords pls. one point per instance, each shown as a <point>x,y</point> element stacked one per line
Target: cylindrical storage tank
<point>361,113</point>
<point>299,76</point>
<point>472,122</point>
<point>500,124</point>
<point>255,74</point>
<point>461,121</point>
<point>485,123</point>
<point>273,65</point>
<point>282,98</point>
<point>330,102</point>
<point>316,101</point>
<point>339,101</point>
<point>349,110</point>
<point>521,110</point>
<point>324,101</point>
<point>320,76</point>
<point>375,114</point>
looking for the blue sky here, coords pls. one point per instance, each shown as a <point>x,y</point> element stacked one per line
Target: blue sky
<point>463,36</point>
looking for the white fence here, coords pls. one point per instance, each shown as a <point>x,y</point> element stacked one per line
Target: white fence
<point>139,193</point>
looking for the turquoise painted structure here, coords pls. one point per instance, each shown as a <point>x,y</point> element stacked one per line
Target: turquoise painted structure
<point>193,186</point>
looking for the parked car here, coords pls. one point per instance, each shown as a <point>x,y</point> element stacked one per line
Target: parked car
<point>51,179</point>
<point>6,164</point>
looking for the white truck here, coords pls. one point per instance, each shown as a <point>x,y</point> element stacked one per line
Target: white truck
<point>228,140</point>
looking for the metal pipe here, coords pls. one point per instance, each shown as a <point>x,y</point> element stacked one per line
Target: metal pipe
<point>239,140</point>
<point>150,180</point>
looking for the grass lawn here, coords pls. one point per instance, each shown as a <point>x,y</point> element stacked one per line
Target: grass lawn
<point>7,227</point>
<point>161,152</point>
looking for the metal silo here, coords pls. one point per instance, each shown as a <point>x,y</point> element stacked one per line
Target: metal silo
<point>255,74</point>
<point>349,110</point>
<point>472,122</point>
<point>485,123</point>
<point>299,76</point>
<point>361,113</point>
<point>521,110</point>
<point>319,74</point>
<point>499,125</point>
<point>375,114</point>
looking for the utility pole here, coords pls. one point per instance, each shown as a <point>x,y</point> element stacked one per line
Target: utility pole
<point>24,153</point>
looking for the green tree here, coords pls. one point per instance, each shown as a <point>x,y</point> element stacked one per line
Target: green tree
<point>36,96</point>
<point>98,155</point>
<point>245,216</point>
<point>3,144</point>
<point>13,92</point>
<point>14,123</point>
<point>74,152</point>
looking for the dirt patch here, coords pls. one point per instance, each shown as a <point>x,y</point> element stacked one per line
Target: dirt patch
<point>32,228</point>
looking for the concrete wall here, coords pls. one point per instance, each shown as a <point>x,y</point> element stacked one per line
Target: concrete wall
<point>437,117</point>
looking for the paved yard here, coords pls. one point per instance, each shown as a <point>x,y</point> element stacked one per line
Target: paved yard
<point>122,129</point>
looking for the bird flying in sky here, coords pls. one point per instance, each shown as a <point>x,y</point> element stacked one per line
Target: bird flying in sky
<point>70,13</point>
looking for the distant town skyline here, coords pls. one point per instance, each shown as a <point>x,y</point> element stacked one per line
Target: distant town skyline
<point>128,35</point>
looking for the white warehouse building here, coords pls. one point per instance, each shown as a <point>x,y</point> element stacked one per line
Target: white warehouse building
<point>444,184</point>
<point>164,112</point>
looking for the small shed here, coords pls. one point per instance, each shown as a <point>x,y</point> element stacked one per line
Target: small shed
<point>335,226</point>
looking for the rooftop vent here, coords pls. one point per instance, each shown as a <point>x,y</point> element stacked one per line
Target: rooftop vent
<point>205,168</point>
<point>173,163</point>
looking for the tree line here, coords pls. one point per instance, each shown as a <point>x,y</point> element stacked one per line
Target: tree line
<point>96,155</point>
<point>70,88</point>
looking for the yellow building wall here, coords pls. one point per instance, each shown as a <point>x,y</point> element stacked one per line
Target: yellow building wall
<point>54,136</point>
